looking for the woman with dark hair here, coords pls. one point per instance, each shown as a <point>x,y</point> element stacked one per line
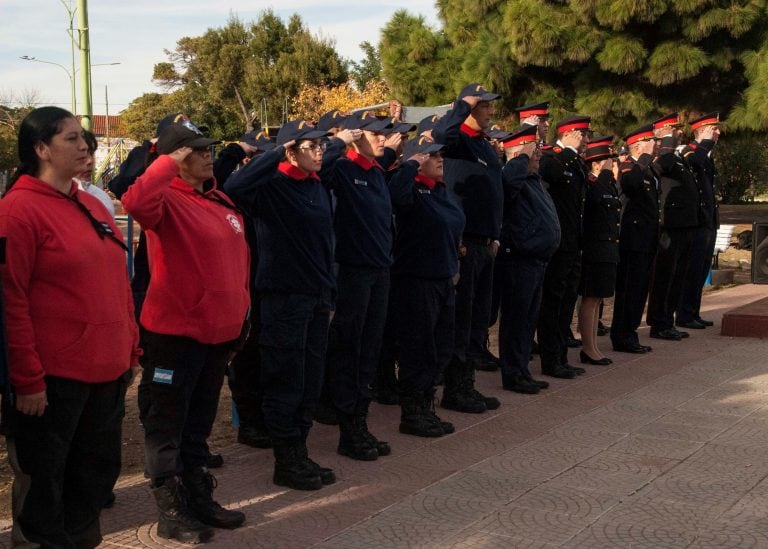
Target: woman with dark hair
<point>73,347</point>
<point>193,316</point>
<point>600,255</point>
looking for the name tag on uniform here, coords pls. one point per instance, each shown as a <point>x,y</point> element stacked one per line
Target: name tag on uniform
<point>568,174</point>
<point>163,376</point>
<point>483,162</point>
<point>424,191</point>
<point>361,182</point>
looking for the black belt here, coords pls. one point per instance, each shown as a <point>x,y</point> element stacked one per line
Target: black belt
<point>479,240</point>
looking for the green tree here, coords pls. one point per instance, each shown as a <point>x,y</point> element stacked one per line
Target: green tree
<point>417,62</point>
<point>232,74</point>
<point>621,62</point>
<point>367,70</point>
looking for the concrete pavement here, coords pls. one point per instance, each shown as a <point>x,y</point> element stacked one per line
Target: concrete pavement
<point>668,449</point>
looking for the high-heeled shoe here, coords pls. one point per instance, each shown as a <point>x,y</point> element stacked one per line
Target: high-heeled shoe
<point>586,359</point>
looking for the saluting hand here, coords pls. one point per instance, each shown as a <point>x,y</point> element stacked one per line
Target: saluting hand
<point>348,136</point>
<point>471,100</point>
<point>393,141</point>
<point>420,158</point>
<point>180,154</point>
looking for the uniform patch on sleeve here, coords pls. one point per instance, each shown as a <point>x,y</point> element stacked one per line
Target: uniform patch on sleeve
<point>163,376</point>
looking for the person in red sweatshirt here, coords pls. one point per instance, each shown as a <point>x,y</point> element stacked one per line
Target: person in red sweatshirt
<point>193,314</point>
<point>72,337</point>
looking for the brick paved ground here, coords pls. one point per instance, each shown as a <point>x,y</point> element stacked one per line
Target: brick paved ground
<point>663,450</point>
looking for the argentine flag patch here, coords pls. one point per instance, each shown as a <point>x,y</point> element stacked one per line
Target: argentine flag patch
<point>163,376</point>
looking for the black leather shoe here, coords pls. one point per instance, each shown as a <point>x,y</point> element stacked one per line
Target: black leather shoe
<point>558,371</point>
<point>602,329</point>
<point>539,383</point>
<point>584,358</point>
<point>634,348</point>
<point>214,461</point>
<point>682,335</point>
<point>693,325</point>
<point>519,384</point>
<point>577,369</point>
<point>572,342</point>
<point>669,334</point>
<point>705,322</point>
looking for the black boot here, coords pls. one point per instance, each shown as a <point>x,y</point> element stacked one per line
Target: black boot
<point>457,394</point>
<point>491,403</point>
<point>382,447</point>
<point>327,476</point>
<point>352,440</point>
<point>200,485</point>
<point>428,403</point>
<point>255,436</point>
<point>176,521</point>
<point>414,419</point>
<point>291,468</point>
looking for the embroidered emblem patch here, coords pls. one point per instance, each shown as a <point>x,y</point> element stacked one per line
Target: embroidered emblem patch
<point>235,222</point>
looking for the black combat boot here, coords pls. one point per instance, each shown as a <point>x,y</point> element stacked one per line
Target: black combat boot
<point>491,403</point>
<point>255,436</point>
<point>176,521</point>
<point>382,447</point>
<point>414,418</point>
<point>200,485</point>
<point>327,476</point>
<point>292,468</point>
<point>457,394</point>
<point>428,402</point>
<point>352,440</point>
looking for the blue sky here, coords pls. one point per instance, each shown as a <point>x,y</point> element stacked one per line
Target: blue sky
<point>135,34</point>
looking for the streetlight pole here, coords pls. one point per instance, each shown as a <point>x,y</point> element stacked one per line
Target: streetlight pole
<point>62,67</point>
<point>84,45</point>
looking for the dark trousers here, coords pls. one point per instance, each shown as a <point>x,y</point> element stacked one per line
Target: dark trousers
<point>473,301</point>
<point>561,282</point>
<point>633,278</point>
<point>182,381</point>
<point>668,275</point>
<point>699,264</point>
<point>386,378</point>
<point>245,379</point>
<point>424,320</point>
<point>355,336</point>
<point>67,461</point>
<point>293,341</point>
<point>522,280</point>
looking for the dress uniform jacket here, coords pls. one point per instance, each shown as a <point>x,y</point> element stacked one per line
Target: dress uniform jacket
<point>562,169</point>
<point>680,198</point>
<point>640,196</point>
<point>698,156</point>
<point>602,215</point>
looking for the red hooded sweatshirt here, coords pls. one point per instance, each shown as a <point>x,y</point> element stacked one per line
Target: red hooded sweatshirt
<point>67,297</point>
<point>198,257</point>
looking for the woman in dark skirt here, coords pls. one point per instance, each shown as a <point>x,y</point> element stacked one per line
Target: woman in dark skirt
<point>602,213</point>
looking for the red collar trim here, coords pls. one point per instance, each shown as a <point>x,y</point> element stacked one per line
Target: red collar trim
<point>471,132</point>
<point>362,161</point>
<point>295,173</point>
<point>427,182</point>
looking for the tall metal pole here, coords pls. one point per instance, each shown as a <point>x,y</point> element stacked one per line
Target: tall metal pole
<point>71,31</point>
<point>84,45</point>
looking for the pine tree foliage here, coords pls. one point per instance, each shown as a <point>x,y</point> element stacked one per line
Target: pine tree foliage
<point>623,62</point>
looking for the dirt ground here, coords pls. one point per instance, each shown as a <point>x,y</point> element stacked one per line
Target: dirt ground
<point>224,434</point>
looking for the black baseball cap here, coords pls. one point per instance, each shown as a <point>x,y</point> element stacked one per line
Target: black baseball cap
<point>176,136</point>
<point>427,124</point>
<point>499,134</point>
<point>478,90</point>
<point>366,120</point>
<point>298,129</point>
<point>331,119</point>
<point>421,145</point>
<point>176,118</point>
<point>399,127</point>
<point>258,139</point>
